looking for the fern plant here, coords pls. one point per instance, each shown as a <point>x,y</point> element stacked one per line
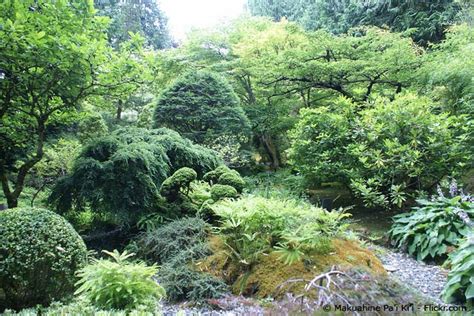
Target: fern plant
<point>119,284</point>
<point>460,285</point>
<point>434,226</point>
<point>254,225</point>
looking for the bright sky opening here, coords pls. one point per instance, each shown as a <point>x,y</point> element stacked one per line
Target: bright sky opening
<point>184,15</point>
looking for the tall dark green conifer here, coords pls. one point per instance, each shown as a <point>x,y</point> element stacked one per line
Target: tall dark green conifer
<point>138,16</point>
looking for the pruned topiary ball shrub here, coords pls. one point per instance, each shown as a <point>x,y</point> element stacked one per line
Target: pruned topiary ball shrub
<point>181,179</point>
<point>222,191</point>
<point>233,179</point>
<point>213,176</point>
<point>39,255</point>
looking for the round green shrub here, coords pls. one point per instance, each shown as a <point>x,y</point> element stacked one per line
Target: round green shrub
<point>233,179</point>
<point>213,176</point>
<point>221,191</point>
<point>39,255</point>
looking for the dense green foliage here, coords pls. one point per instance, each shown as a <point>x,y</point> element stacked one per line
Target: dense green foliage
<point>446,72</point>
<point>212,177</point>
<point>122,173</point>
<point>53,55</point>
<point>40,253</point>
<point>118,284</point>
<point>175,246</point>
<point>161,243</point>
<point>344,101</point>
<point>232,179</point>
<point>253,226</point>
<point>460,285</point>
<point>435,225</point>
<point>201,106</point>
<point>384,152</point>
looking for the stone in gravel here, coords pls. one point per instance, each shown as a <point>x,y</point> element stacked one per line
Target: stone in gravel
<point>390,268</point>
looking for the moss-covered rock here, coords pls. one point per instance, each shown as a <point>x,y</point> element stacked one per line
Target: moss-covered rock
<point>263,279</point>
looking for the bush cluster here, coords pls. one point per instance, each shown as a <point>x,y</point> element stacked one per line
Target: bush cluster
<point>222,178</point>
<point>385,152</point>
<point>222,191</point>
<point>39,255</point>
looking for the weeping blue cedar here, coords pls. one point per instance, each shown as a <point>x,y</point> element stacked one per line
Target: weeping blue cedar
<point>121,174</point>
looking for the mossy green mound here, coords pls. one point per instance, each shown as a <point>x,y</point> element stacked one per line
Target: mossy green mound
<point>264,278</point>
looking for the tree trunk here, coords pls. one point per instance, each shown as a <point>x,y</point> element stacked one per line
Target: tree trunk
<point>12,195</point>
<point>12,202</point>
<point>271,150</point>
<point>119,110</point>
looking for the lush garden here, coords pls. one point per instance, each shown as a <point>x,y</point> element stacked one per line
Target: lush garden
<point>241,169</point>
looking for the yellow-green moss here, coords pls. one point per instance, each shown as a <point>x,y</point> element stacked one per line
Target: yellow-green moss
<point>263,279</point>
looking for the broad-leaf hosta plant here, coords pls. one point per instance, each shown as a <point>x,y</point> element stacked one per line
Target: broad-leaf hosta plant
<point>435,225</point>
<point>460,285</point>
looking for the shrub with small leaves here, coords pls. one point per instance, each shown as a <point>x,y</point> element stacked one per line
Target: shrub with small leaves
<point>39,255</point>
<point>121,174</point>
<point>119,284</point>
<point>182,282</point>
<point>222,191</point>
<point>233,179</point>
<point>460,285</point>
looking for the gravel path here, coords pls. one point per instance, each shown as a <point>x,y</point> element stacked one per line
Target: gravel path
<point>429,280</point>
<point>174,310</point>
